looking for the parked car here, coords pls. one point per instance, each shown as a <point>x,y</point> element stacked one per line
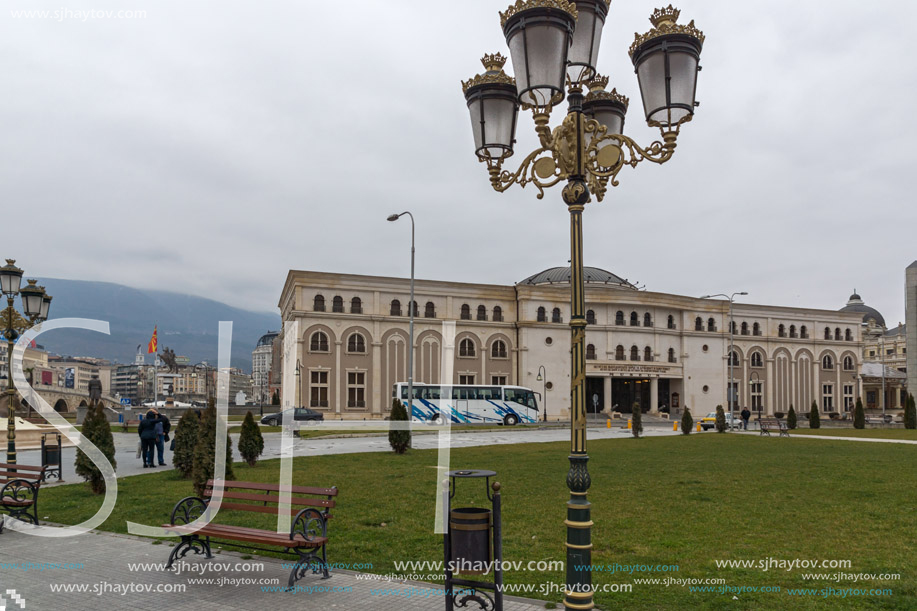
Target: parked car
<point>709,421</point>
<point>299,413</point>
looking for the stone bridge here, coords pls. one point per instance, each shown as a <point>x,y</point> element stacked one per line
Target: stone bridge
<point>64,400</point>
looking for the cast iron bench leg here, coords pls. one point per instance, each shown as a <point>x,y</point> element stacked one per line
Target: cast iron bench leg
<point>189,543</point>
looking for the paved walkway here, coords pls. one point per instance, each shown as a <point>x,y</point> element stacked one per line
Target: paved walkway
<point>107,580</point>
<point>795,435</point>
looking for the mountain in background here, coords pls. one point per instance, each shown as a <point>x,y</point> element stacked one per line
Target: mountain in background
<point>187,324</point>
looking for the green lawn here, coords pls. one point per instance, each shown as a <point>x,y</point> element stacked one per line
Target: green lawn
<point>665,500</point>
<point>852,432</point>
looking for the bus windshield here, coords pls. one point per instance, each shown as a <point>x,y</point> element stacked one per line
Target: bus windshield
<point>522,397</point>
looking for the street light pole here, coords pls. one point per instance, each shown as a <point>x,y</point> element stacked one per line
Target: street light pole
<point>732,347</point>
<point>395,217</point>
<point>553,44</point>
<point>544,387</point>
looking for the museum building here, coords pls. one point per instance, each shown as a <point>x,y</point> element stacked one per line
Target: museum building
<point>345,337</point>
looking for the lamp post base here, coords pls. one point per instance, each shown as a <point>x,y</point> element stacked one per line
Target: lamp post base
<point>578,594</point>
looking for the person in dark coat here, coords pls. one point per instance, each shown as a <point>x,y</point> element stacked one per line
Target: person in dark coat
<point>745,416</point>
<point>163,427</point>
<point>147,431</point>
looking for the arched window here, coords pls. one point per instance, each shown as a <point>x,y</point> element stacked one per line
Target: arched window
<point>634,353</point>
<point>619,318</point>
<point>498,349</point>
<point>356,343</point>
<point>647,320</point>
<point>466,347</point>
<point>590,317</point>
<point>648,354</point>
<point>711,325</point>
<point>734,358</point>
<point>792,330</point>
<point>732,328</point>
<point>848,335</point>
<point>337,304</point>
<point>482,313</point>
<point>848,363</point>
<point>396,308</point>
<point>781,331</point>
<point>318,342</point>
<point>634,319</point>
<point>827,362</point>
<point>318,304</point>
<point>619,353</point>
<point>671,323</point>
<point>756,329</point>
<point>416,311</point>
<point>837,334</point>
<point>590,352</point>
<point>756,360</point>
<point>743,330</point>
<point>555,315</point>
<point>698,324</point>
<point>542,314</point>
<point>466,312</point>
<point>672,358</point>
<point>498,314</point>
<point>803,332</point>
<point>356,306</point>
<point>429,310</point>
<point>827,333</point>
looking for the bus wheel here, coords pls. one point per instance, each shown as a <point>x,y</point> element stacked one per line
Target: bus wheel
<point>438,421</point>
<point>510,420</point>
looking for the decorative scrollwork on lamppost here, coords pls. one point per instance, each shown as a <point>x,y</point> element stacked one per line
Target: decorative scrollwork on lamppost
<point>553,44</point>
<point>35,305</point>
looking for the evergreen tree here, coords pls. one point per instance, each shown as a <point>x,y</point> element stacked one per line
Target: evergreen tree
<point>251,443</point>
<point>97,431</point>
<point>636,427</point>
<point>687,422</point>
<point>859,416</point>
<point>910,413</point>
<point>275,398</point>
<point>185,440</point>
<point>791,418</point>
<point>720,419</point>
<point>814,418</point>
<point>398,439</point>
<point>205,451</point>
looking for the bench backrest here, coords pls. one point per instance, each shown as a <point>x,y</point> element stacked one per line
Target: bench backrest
<point>770,421</point>
<point>29,473</point>
<point>265,498</point>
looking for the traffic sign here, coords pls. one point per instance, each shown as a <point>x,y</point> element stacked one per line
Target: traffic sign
<point>125,401</point>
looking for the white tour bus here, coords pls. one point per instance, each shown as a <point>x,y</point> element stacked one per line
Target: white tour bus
<point>470,403</point>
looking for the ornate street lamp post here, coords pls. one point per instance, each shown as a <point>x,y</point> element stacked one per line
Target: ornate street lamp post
<point>544,387</point>
<point>554,43</point>
<point>35,305</point>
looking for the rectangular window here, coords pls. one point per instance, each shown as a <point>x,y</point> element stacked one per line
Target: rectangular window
<point>356,389</point>
<point>498,380</point>
<point>848,397</point>
<point>466,379</point>
<point>827,397</point>
<point>757,395</point>
<point>318,389</point>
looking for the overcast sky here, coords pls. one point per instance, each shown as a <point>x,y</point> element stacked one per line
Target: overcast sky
<point>212,146</point>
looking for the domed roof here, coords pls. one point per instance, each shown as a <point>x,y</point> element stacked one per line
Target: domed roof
<point>267,339</point>
<point>856,304</point>
<point>591,275</point>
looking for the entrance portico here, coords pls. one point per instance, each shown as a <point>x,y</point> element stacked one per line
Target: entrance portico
<point>621,386</point>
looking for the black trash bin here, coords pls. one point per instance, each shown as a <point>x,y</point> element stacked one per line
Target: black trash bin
<point>472,549</point>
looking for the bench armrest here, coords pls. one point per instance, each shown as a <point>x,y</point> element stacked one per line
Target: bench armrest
<point>188,510</point>
<point>19,490</point>
<point>309,523</point>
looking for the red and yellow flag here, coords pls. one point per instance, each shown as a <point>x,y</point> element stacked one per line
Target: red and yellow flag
<point>151,349</point>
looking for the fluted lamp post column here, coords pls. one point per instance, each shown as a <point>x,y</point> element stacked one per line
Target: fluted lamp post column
<point>35,305</point>
<point>553,44</point>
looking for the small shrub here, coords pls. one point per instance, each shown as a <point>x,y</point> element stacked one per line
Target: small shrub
<point>205,451</point>
<point>275,398</point>
<point>910,413</point>
<point>859,415</point>
<point>636,427</point>
<point>251,443</point>
<point>398,439</point>
<point>97,431</point>
<point>791,418</point>
<point>185,440</point>
<point>814,418</point>
<point>687,422</point>
<point>779,415</point>
<point>720,419</point>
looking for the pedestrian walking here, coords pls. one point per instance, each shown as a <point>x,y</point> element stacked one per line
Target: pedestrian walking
<point>745,416</point>
<point>163,426</point>
<point>147,431</point>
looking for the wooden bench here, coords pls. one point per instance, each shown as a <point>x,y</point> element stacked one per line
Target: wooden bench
<point>19,486</point>
<point>773,424</point>
<point>308,534</point>
<point>878,420</point>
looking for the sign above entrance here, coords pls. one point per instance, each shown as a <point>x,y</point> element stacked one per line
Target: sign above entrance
<point>634,369</point>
